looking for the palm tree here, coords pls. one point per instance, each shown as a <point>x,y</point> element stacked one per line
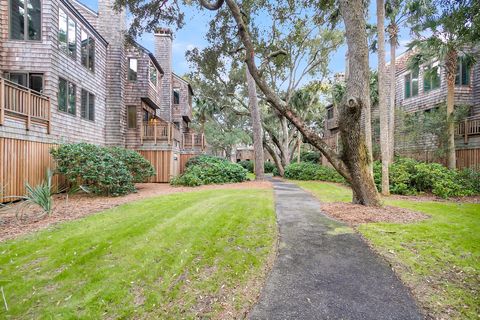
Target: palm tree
<point>382,103</point>
<point>444,31</point>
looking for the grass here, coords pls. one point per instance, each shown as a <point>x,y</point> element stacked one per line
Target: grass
<point>438,258</point>
<point>176,256</point>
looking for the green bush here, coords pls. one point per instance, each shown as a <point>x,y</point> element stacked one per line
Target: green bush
<point>101,170</point>
<point>247,165</point>
<point>140,168</point>
<point>269,167</point>
<point>210,170</point>
<point>310,156</point>
<point>408,176</point>
<point>312,171</point>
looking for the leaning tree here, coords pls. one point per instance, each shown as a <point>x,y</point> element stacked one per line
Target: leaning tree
<point>353,163</point>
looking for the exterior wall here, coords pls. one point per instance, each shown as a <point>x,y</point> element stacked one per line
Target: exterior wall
<point>86,12</point>
<point>166,163</point>
<point>163,53</point>
<point>45,57</point>
<point>183,110</point>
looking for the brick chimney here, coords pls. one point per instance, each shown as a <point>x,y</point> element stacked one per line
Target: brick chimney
<point>112,26</point>
<point>163,53</point>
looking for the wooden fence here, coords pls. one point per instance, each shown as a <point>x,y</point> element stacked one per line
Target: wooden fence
<point>468,158</point>
<point>23,161</point>
<point>163,162</point>
<point>183,161</point>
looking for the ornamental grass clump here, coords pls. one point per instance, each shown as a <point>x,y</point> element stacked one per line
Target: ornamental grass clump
<point>204,169</point>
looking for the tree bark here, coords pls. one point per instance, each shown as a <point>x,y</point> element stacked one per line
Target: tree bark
<point>355,151</point>
<point>451,71</point>
<point>276,159</point>
<point>382,99</point>
<point>285,144</point>
<point>393,31</point>
<point>354,163</point>
<point>257,128</point>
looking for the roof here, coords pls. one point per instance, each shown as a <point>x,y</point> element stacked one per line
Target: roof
<point>186,82</point>
<point>152,57</point>
<point>80,17</point>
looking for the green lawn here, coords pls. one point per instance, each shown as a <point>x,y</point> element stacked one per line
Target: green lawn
<point>439,257</point>
<point>176,256</point>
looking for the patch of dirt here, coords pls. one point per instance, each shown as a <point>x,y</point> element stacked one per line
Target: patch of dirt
<point>430,197</point>
<point>66,208</point>
<point>355,214</point>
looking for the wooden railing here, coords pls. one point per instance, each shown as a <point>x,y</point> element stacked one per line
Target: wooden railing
<point>23,103</point>
<point>160,132</point>
<point>468,127</point>
<point>192,140</point>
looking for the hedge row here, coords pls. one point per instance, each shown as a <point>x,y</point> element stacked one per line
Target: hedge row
<point>269,167</point>
<point>312,171</point>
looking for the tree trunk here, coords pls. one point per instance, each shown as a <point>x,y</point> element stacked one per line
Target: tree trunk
<point>355,151</point>
<point>257,127</point>
<point>276,159</point>
<point>382,99</point>
<point>285,148</point>
<point>393,31</point>
<point>451,71</point>
<point>354,163</point>
<point>299,147</point>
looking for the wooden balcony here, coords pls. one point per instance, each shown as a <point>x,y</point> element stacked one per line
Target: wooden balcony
<point>23,103</point>
<point>193,141</point>
<point>159,131</point>
<point>469,127</point>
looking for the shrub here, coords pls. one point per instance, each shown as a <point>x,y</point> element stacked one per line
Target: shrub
<point>247,165</point>
<point>269,167</point>
<point>42,194</point>
<point>312,171</point>
<point>310,156</point>
<point>101,170</point>
<point>408,176</point>
<point>140,168</point>
<point>210,170</point>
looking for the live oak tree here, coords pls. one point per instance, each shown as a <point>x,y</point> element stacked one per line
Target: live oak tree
<point>445,31</point>
<point>354,161</point>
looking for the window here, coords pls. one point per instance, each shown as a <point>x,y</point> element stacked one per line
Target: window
<point>33,81</point>
<point>176,96</point>
<point>88,106</point>
<point>463,72</point>
<point>411,84</point>
<point>132,117</point>
<point>20,22</point>
<point>330,113</point>
<point>153,74</point>
<point>132,69</point>
<point>431,78</point>
<point>67,37</point>
<point>87,51</point>
<point>66,96</point>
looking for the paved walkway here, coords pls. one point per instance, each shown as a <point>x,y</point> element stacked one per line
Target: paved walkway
<point>325,271</point>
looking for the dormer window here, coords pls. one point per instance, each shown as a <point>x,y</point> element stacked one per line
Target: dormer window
<point>176,96</point>
<point>25,20</point>
<point>463,72</point>
<point>411,84</point>
<point>153,74</point>
<point>330,113</point>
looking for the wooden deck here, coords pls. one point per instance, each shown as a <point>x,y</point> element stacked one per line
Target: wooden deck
<point>23,103</point>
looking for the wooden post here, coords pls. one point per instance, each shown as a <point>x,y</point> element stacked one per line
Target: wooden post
<point>193,140</point>
<point>183,140</point>
<point>155,131</point>
<point>29,108</point>
<point>465,132</point>
<point>169,133</point>
<point>49,124</point>
<point>2,101</point>
<point>142,132</point>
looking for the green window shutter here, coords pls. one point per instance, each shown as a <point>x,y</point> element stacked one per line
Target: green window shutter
<point>407,86</point>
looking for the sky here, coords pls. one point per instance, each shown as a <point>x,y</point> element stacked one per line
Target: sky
<point>196,25</point>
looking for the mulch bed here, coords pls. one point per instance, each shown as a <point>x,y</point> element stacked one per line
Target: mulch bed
<point>355,214</point>
<point>16,221</point>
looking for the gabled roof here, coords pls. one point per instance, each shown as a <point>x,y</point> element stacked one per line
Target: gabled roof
<point>80,17</point>
<point>184,81</point>
<point>152,57</point>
